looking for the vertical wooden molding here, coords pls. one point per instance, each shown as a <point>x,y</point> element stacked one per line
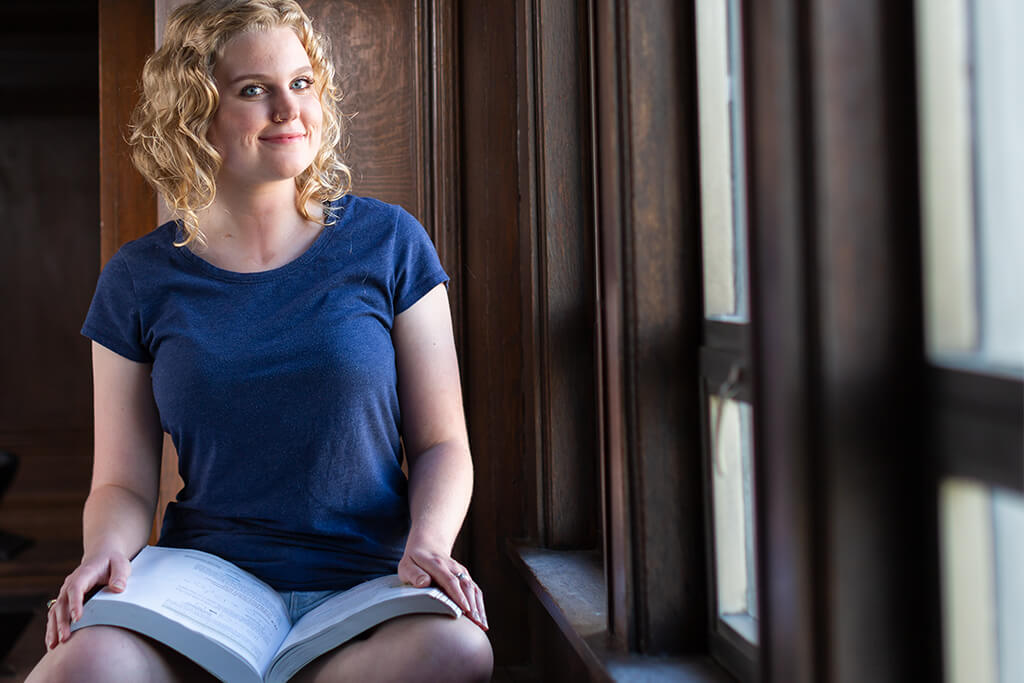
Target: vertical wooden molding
<point>780,239</point>
<point>611,160</point>
<point>664,319</point>
<point>556,234</point>
<point>439,71</point>
<point>127,203</point>
<point>492,354</point>
<point>531,267</point>
<point>881,501</point>
<point>651,324</point>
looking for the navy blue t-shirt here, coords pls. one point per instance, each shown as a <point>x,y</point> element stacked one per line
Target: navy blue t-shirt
<point>279,390</point>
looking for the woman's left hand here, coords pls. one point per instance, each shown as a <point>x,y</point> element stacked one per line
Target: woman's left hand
<point>421,566</point>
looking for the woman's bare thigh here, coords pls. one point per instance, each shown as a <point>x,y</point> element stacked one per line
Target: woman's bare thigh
<point>107,653</point>
<point>420,647</point>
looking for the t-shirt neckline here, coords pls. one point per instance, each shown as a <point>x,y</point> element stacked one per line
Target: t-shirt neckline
<point>263,275</point>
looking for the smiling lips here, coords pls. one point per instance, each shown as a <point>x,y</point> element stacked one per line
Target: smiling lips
<point>283,138</point>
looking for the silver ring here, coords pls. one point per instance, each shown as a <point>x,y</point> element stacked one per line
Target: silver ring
<point>460,576</point>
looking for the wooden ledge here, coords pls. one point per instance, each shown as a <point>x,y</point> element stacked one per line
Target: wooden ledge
<point>570,585</point>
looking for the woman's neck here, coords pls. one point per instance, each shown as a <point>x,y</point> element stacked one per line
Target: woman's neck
<point>255,230</point>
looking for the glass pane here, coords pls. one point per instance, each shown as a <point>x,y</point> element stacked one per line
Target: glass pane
<point>1008,526</point>
<point>983,596</point>
<point>998,103</point>
<point>732,509</point>
<point>719,83</point>
<point>972,166</point>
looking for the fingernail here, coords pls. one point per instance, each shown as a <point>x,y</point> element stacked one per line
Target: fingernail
<point>74,615</point>
<point>119,584</point>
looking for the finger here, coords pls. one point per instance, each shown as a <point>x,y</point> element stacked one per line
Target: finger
<point>75,587</point>
<point>60,619</point>
<point>478,598</point>
<point>458,589</point>
<point>469,589</point>
<point>51,629</point>
<point>120,570</point>
<point>413,574</point>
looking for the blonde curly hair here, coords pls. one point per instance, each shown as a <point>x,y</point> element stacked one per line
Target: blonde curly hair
<point>179,99</point>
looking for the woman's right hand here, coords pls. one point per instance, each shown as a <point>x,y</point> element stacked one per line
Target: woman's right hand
<point>108,568</point>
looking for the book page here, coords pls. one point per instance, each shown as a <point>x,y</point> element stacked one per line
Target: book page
<point>210,596</point>
<point>346,614</point>
<point>343,605</point>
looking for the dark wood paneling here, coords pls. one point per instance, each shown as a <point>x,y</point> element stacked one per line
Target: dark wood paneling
<point>780,241</point>
<point>663,329</point>
<point>652,312</point>
<point>377,58</point>
<point>492,354</point>
<point>48,205</point>
<point>127,203</point>
<point>882,527</point>
<point>978,426</point>
<point>557,234</point>
<point>613,188</point>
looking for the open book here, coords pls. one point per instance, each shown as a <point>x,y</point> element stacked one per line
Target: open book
<point>237,627</point>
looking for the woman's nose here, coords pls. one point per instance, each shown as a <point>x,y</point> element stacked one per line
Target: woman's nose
<point>285,109</point>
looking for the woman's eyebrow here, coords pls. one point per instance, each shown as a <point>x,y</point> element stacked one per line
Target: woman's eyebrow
<point>267,77</point>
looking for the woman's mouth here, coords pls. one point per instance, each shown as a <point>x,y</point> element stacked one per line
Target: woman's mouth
<point>283,138</point>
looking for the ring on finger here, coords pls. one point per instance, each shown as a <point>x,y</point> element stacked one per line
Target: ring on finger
<point>460,576</point>
<point>50,603</point>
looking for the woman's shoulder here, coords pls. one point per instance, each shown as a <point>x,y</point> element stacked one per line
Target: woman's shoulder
<point>370,210</point>
<point>160,239</point>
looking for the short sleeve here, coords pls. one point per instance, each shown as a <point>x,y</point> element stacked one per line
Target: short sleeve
<point>113,319</point>
<point>417,266</point>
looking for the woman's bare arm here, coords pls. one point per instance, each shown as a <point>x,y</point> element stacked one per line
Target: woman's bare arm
<point>125,483</point>
<point>434,431</point>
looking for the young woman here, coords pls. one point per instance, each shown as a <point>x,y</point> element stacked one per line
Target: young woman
<point>287,335</point>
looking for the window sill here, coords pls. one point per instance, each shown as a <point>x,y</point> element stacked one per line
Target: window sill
<point>570,585</point>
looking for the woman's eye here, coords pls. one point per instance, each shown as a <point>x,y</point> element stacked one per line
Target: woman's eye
<point>302,83</point>
<point>251,91</point>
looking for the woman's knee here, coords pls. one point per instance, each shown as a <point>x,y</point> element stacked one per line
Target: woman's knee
<point>103,653</point>
<point>460,647</point>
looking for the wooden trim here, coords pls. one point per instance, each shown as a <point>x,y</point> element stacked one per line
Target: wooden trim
<point>491,355</point>
<point>611,159</point>
<point>716,368</point>
<point>440,73</point>
<point>719,334</point>
<point>878,477</point>
<point>568,585</point>
<point>651,313</point>
<point>127,203</point>
<point>780,245</point>
<point>977,426</point>
<point>556,231</point>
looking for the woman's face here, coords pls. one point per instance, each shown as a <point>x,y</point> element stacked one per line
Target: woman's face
<point>268,125</point>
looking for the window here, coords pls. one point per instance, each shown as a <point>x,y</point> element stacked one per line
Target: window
<point>725,351</point>
<point>972,166</point>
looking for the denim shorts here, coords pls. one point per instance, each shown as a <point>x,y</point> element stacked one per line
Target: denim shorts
<point>299,603</point>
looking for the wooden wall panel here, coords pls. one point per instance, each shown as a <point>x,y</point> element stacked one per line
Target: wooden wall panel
<point>651,324</point>
<point>882,528</point>
<point>49,209</point>
<point>493,353</point>
<point>780,241</point>
<point>127,203</point>
<point>559,270</point>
